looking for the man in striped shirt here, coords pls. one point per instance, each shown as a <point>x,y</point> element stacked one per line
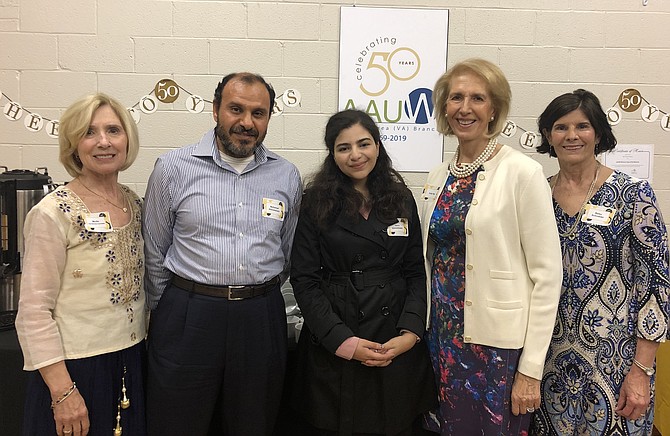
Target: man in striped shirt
<point>219,220</point>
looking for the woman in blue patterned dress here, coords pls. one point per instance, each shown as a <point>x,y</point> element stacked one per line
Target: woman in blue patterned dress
<point>613,312</point>
<point>492,263</point>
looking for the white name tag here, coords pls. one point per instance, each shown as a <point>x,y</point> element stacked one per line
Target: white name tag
<point>429,192</point>
<point>273,209</point>
<point>598,215</point>
<point>401,228</point>
<point>98,222</point>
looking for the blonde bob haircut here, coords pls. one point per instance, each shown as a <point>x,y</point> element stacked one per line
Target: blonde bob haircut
<point>497,88</point>
<point>74,124</point>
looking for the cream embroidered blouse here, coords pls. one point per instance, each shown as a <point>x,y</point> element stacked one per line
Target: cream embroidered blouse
<point>81,292</point>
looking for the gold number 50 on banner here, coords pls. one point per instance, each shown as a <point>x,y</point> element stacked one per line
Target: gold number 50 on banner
<point>405,68</point>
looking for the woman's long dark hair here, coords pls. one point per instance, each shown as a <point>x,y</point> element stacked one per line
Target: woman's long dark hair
<point>331,192</point>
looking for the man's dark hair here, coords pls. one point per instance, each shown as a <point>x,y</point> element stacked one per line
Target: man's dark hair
<point>248,78</point>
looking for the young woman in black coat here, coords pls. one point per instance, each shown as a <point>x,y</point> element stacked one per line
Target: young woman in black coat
<point>358,276</point>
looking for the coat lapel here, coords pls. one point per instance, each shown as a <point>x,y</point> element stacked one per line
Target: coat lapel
<point>372,229</point>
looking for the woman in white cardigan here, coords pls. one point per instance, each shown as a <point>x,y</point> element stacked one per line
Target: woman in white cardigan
<point>493,262</point>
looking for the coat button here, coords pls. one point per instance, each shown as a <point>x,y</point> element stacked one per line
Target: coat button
<point>467,338</point>
<point>475,202</point>
<point>361,314</point>
<point>481,176</point>
<point>469,266</point>
<point>358,258</point>
<point>468,231</point>
<point>386,311</point>
<point>383,255</point>
<point>468,303</point>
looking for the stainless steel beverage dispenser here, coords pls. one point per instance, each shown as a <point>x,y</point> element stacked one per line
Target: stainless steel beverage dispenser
<point>20,190</point>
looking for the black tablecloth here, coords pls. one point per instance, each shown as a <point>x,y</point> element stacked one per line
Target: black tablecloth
<point>12,384</point>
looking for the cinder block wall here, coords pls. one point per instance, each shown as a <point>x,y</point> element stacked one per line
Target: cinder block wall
<point>54,51</point>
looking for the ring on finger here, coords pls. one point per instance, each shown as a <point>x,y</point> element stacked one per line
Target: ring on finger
<point>530,409</point>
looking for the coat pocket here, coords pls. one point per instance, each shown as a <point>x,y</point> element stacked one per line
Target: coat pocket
<point>504,305</point>
<point>502,275</point>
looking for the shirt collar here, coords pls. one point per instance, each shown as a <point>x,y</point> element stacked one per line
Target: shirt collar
<point>206,147</point>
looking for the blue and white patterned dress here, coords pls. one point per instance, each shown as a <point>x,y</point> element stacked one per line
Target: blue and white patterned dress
<point>615,290</point>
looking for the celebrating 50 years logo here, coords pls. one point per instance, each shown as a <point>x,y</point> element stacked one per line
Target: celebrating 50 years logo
<point>378,67</point>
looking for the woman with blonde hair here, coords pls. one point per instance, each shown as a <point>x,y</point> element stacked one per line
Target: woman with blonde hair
<point>492,262</point>
<point>81,318</point>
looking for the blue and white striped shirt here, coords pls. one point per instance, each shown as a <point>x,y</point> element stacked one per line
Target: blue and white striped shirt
<point>203,221</point>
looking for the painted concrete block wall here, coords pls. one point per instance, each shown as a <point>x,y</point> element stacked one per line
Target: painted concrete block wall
<point>54,51</point>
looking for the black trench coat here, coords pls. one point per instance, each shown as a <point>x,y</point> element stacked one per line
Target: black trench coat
<point>387,295</point>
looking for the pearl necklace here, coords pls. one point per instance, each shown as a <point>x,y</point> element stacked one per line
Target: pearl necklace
<point>571,232</point>
<point>124,209</point>
<point>462,170</point>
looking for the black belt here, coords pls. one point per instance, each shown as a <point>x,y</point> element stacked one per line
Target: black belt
<point>361,279</point>
<point>228,292</point>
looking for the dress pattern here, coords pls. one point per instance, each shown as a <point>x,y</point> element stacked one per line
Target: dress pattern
<point>474,381</point>
<point>615,289</point>
<point>122,248</point>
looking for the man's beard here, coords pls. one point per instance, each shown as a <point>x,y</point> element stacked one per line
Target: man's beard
<point>242,149</point>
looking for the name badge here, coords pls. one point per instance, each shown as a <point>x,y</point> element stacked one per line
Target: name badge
<point>429,192</point>
<point>401,228</point>
<point>98,222</point>
<point>598,215</point>
<point>273,209</point>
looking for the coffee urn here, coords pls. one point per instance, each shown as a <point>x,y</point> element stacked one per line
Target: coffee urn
<point>20,190</point>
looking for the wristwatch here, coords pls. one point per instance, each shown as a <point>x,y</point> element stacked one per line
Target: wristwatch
<point>647,370</point>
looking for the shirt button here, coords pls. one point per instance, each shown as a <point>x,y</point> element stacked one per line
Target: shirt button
<point>241,267</point>
<point>383,255</point>
<point>467,338</point>
<point>241,235</point>
<point>358,258</point>
<point>475,202</point>
<point>239,204</point>
<point>470,267</point>
<point>386,310</point>
<point>468,231</point>
<point>361,314</point>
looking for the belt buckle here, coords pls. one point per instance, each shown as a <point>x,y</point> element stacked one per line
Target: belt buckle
<point>230,290</point>
<point>355,277</point>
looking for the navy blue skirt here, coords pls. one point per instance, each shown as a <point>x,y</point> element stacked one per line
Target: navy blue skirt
<point>98,379</point>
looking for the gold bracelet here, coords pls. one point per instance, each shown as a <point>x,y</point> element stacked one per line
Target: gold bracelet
<point>646,369</point>
<point>63,397</point>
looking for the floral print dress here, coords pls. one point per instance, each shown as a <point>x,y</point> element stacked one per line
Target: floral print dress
<point>615,290</point>
<point>474,381</point>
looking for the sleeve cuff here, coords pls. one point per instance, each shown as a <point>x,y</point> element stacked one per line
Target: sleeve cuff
<point>348,348</point>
